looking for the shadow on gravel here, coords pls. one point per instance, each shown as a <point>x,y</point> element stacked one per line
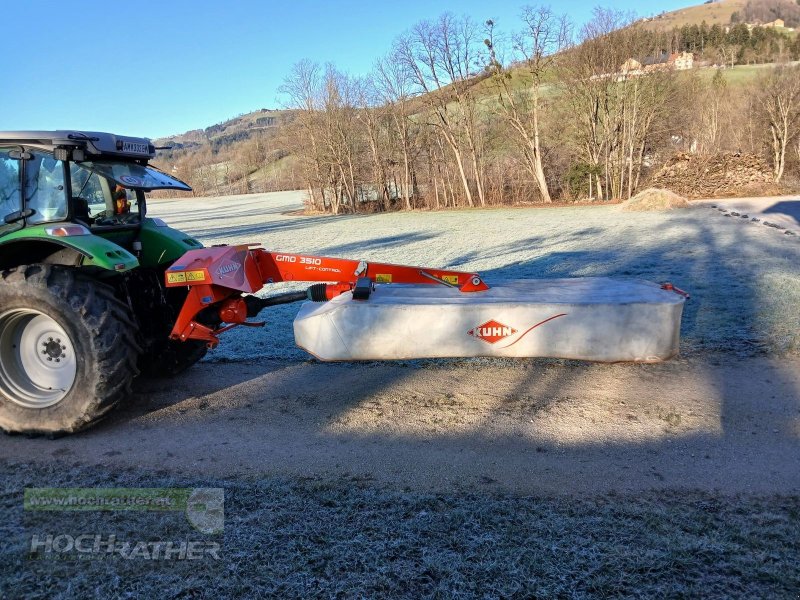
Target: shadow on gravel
<point>152,395</point>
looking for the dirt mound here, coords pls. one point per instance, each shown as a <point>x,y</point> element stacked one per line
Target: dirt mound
<point>655,199</point>
<point>718,175</point>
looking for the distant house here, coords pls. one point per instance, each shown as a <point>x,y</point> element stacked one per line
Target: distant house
<point>677,61</point>
<point>681,61</point>
<point>631,66</point>
<point>776,23</point>
<point>657,62</point>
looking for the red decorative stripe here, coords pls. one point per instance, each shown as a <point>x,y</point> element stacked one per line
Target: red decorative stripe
<point>531,329</point>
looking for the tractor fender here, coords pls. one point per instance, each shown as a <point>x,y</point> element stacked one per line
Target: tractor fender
<point>162,245</point>
<point>69,251</point>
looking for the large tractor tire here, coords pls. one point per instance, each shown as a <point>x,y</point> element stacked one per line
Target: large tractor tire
<point>67,350</point>
<point>157,308</point>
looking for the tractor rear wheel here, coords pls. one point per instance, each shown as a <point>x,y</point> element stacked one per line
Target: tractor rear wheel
<point>67,350</point>
<point>156,308</point>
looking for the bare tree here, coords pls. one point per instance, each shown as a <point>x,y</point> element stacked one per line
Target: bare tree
<point>441,55</point>
<point>340,135</point>
<point>536,48</point>
<point>303,87</point>
<point>615,102</point>
<point>797,149</point>
<point>779,99</point>
<point>373,115</point>
<point>394,84</point>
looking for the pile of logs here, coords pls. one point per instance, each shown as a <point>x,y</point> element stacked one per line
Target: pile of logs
<point>718,175</point>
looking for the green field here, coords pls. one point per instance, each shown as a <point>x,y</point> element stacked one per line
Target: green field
<point>738,75</point>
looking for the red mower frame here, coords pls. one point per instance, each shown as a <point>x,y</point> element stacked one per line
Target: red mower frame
<point>217,277</point>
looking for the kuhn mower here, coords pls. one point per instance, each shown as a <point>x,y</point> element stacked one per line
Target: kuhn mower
<point>93,292</point>
<point>376,311</point>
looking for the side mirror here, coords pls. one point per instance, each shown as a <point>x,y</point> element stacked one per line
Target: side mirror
<point>19,215</point>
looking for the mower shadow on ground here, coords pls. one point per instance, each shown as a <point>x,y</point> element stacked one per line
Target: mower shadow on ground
<point>149,397</point>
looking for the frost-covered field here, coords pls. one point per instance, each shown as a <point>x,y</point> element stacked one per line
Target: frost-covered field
<point>744,278</point>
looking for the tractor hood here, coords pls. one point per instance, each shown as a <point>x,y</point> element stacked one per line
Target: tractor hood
<point>135,176</point>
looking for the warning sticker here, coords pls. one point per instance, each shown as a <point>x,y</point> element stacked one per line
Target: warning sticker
<point>383,278</point>
<point>186,276</point>
<point>451,279</point>
<point>176,277</point>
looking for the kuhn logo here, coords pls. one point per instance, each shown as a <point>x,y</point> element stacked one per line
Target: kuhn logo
<point>492,331</point>
<point>228,269</point>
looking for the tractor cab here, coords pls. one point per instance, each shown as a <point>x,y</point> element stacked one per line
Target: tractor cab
<point>97,180</point>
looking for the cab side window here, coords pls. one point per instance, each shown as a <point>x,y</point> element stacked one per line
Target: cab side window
<point>44,189</point>
<point>10,197</point>
<point>88,187</point>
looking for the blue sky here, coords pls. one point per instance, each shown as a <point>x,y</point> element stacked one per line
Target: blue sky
<point>156,68</point>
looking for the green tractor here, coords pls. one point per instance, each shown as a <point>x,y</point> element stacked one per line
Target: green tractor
<point>83,305</point>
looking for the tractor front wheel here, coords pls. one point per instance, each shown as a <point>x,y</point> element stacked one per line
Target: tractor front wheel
<point>67,350</point>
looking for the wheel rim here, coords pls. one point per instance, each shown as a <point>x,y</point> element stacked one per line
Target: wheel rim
<point>38,365</point>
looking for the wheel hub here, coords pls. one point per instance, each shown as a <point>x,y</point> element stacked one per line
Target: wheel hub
<point>52,349</point>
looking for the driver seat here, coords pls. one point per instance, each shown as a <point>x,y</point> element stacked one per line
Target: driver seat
<point>80,210</point>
